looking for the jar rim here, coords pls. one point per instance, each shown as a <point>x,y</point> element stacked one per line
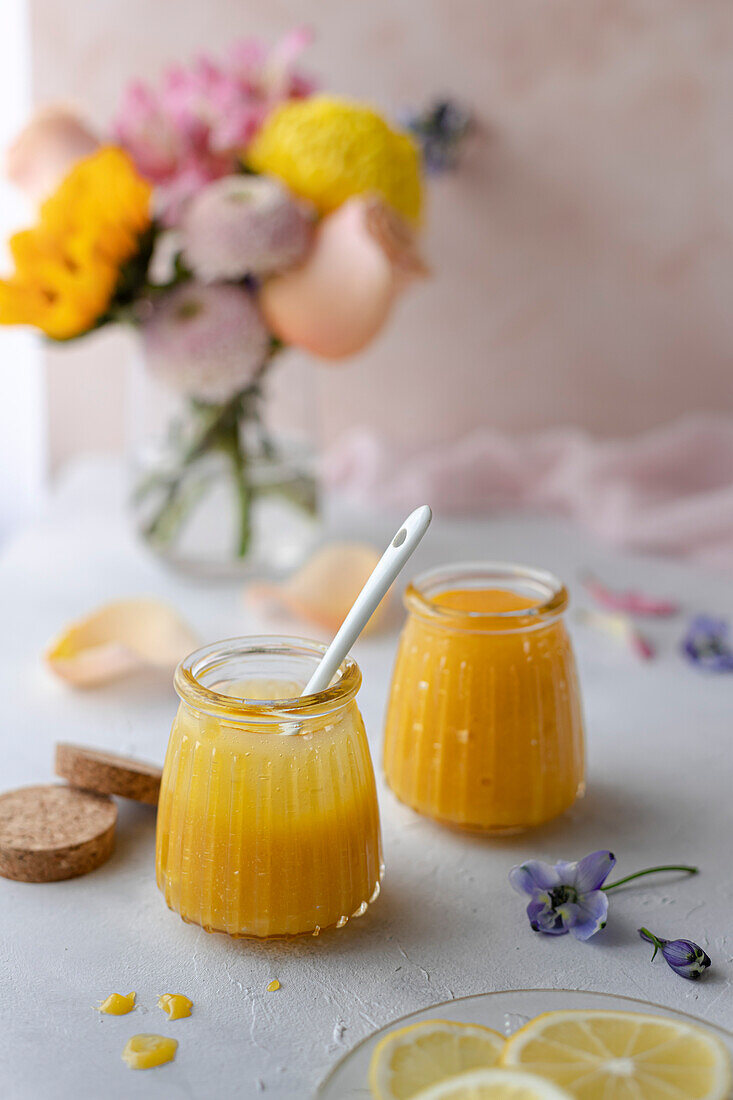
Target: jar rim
<point>552,593</point>
<point>198,695</point>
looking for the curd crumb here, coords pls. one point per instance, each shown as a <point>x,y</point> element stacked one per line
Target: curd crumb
<point>176,1005</point>
<point>274,984</point>
<point>147,1051</point>
<point>117,1004</point>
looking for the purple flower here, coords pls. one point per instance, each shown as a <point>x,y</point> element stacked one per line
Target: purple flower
<point>566,897</point>
<point>685,957</point>
<point>707,644</point>
<point>440,130</point>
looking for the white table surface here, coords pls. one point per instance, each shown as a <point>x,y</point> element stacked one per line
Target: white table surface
<point>447,923</point>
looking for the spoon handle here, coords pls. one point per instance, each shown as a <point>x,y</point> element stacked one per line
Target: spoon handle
<point>389,565</point>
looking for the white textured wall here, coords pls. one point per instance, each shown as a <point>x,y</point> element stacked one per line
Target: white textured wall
<point>584,254</point>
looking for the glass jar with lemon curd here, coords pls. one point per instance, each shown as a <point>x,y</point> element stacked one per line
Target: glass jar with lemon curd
<point>484,726</point>
<point>267,821</point>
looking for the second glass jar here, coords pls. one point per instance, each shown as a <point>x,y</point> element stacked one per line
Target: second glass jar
<point>484,726</point>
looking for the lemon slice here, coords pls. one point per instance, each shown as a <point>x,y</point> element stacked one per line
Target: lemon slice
<point>495,1084</point>
<point>421,1055</point>
<point>622,1056</point>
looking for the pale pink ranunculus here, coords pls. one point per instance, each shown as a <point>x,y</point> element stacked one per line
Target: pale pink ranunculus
<point>244,225</point>
<point>46,149</point>
<point>207,341</point>
<point>338,299</point>
<point>193,128</point>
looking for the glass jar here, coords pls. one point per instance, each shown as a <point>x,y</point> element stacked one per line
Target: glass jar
<point>484,726</point>
<point>268,822</point>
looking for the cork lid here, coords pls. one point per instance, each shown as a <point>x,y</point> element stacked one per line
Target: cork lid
<point>49,833</point>
<point>108,773</point>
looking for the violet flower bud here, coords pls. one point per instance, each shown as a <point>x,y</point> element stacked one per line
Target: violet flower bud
<point>685,957</point>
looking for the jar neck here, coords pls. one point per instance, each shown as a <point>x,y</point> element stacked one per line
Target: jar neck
<point>548,596</point>
<point>203,679</point>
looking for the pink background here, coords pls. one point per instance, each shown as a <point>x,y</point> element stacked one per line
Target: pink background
<point>583,254</point>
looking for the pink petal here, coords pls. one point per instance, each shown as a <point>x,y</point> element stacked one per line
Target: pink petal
<point>631,601</point>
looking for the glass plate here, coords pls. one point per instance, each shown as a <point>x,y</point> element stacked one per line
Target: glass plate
<point>505,1011</point>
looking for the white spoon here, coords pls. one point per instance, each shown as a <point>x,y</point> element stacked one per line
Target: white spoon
<point>389,565</point>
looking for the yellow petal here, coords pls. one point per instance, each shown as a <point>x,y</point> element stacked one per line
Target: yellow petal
<point>324,588</point>
<point>119,638</point>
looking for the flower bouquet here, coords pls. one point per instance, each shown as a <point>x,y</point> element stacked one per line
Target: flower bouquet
<point>235,212</point>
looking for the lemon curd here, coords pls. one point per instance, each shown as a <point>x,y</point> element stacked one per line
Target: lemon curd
<point>149,1051</point>
<point>175,1005</point>
<point>484,727</point>
<point>268,822</point>
<point>117,1004</point>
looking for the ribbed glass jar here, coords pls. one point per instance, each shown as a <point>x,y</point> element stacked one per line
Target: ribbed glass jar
<point>268,822</point>
<point>484,726</point>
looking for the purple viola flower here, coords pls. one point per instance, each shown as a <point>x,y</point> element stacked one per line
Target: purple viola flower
<point>707,644</point>
<point>440,130</point>
<point>685,957</point>
<point>566,897</point>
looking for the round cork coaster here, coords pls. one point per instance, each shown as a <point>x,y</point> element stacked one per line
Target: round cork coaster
<point>54,832</point>
<point>108,773</point>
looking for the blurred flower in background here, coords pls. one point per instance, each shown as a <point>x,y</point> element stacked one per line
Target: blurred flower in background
<point>440,130</point>
<point>245,225</point>
<point>208,341</point>
<point>238,214</point>
<point>193,128</point>
<point>46,149</point>
<point>328,149</point>
<point>70,264</point>
<point>338,299</point>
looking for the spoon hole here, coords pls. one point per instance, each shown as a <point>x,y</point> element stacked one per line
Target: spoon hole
<point>399,537</point>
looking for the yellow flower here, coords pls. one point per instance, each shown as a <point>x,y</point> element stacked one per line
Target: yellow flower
<point>327,149</point>
<point>68,265</point>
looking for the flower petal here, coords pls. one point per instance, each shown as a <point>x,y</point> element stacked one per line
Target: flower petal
<point>593,871</point>
<point>680,952</point>
<point>588,915</point>
<point>324,588</point>
<point>543,918</point>
<point>566,872</point>
<point>118,638</point>
<point>686,958</point>
<point>533,876</point>
<point>336,301</point>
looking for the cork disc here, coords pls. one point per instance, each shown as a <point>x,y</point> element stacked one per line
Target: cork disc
<point>54,832</point>
<point>108,773</point>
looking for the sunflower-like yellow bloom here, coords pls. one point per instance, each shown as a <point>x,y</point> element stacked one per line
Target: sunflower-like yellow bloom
<point>327,149</point>
<point>68,265</point>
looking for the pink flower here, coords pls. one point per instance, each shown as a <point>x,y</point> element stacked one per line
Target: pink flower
<point>206,341</point>
<point>193,129</point>
<point>46,149</point>
<point>244,225</point>
<point>336,301</point>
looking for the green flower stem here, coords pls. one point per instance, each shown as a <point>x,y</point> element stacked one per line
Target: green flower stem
<point>653,871</point>
<point>159,526</point>
<point>651,938</point>
<point>243,489</point>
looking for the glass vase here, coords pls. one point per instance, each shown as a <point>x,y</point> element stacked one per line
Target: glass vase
<point>225,490</point>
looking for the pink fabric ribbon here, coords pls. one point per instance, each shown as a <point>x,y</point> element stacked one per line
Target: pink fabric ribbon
<point>668,490</point>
